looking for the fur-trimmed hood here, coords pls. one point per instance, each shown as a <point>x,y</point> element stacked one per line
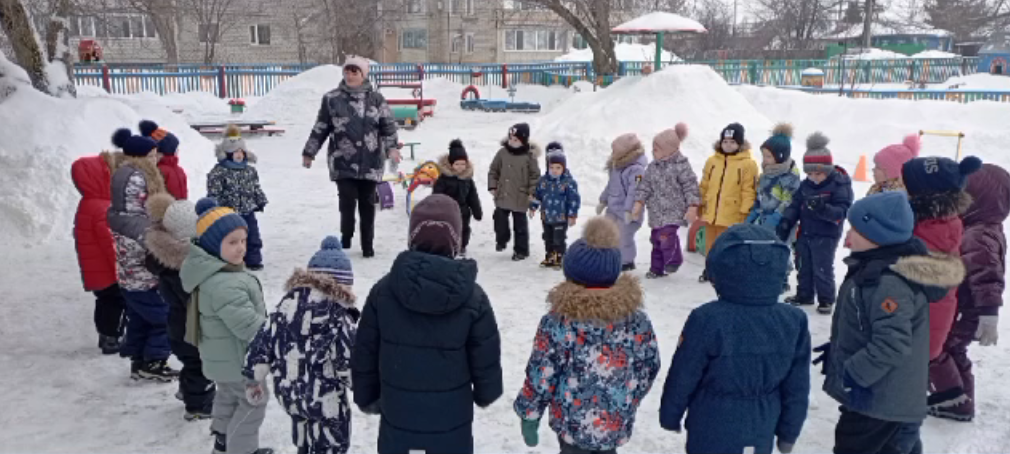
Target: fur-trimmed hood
<point>446,168</point>
<point>939,205</point>
<point>625,160</point>
<point>608,305</point>
<point>534,149</point>
<point>155,181</point>
<point>220,155</point>
<point>167,249</point>
<point>322,283</point>
<point>717,146</point>
<point>933,270</point>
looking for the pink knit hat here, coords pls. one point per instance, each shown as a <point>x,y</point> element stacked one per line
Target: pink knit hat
<point>667,143</point>
<point>360,62</point>
<point>892,157</point>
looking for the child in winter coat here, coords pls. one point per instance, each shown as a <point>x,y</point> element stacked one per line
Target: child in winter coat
<point>136,178</point>
<point>167,240</point>
<point>983,251</point>
<point>456,180</point>
<point>168,163</point>
<point>557,193</point>
<point>626,166</point>
<point>226,312</point>
<point>307,346</point>
<point>888,161</point>
<point>595,354</point>
<point>819,206</point>
<point>512,178</point>
<point>728,185</point>
<point>236,184</point>
<point>427,347</point>
<point>669,189</point>
<point>936,191</point>
<point>742,369</point>
<point>780,178</point>
<point>96,249</point>
<point>876,361</point>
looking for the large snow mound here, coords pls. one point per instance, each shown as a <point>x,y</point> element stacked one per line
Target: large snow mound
<point>978,82</point>
<point>935,54</point>
<point>588,122</point>
<point>42,138</point>
<point>296,100</point>
<point>625,52</point>
<point>863,126</point>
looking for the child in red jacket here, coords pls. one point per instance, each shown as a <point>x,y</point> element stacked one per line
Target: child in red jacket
<point>168,163</point>
<point>96,251</point>
<point>936,192</point>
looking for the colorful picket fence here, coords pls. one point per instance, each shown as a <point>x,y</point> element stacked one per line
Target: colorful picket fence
<point>955,95</point>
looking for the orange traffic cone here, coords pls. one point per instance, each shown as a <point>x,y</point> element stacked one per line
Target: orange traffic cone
<point>861,170</point>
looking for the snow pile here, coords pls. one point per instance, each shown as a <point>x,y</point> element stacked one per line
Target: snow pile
<point>979,82</point>
<point>864,126</point>
<point>588,123</point>
<point>659,21</point>
<point>927,54</point>
<point>876,54</point>
<point>625,52</point>
<point>44,135</point>
<point>296,100</point>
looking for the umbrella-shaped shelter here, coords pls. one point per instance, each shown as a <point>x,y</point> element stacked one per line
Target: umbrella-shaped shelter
<point>659,23</point>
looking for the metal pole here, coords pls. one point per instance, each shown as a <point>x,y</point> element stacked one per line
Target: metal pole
<point>659,52</point>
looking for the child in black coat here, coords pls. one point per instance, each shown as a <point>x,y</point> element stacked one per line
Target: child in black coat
<point>456,181</point>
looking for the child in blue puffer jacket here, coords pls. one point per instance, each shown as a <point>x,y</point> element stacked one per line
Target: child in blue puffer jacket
<point>780,178</point>
<point>557,195</point>
<point>313,330</point>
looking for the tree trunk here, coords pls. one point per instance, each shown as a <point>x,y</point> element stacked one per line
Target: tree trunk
<point>164,24</point>
<point>868,25</point>
<point>58,48</point>
<point>27,51</point>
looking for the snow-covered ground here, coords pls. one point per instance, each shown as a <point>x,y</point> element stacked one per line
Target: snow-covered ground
<point>625,52</point>
<point>62,396</point>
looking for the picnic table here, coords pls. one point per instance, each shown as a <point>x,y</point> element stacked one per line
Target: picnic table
<point>254,127</point>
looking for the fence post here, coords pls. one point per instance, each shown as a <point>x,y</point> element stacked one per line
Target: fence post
<point>106,79</point>
<point>622,68</point>
<point>504,76</point>
<point>222,85</point>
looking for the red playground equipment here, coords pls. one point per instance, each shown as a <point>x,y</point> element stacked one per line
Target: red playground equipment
<point>408,112</point>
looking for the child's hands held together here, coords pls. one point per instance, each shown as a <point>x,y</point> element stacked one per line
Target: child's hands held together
<point>571,222</point>
<point>692,214</point>
<point>256,393</point>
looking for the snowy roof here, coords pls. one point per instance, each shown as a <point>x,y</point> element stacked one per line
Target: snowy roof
<point>999,43</point>
<point>659,22</point>
<point>624,51</point>
<point>812,72</point>
<point>889,29</point>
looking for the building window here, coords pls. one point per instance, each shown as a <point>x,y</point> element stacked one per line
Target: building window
<point>534,40</point>
<point>461,7</point>
<point>415,6</point>
<point>259,35</point>
<point>520,5</point>
<point>208,33</point>
<point>578,42</point>
<point>83,26</point>
<point>469,43</point>
<point>415,39</point>
<point>123,26</point>
<point>457,42</point>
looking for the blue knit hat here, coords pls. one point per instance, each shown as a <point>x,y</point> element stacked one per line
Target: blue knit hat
<point>332,261</point>
<point>168,143</point>
<point>136,146</point>
<point>215,223</point>
<point>595,259</point>
<point>748,264</point>
<point>556,155</point>
<point>780,143</point>
<point>934,174</point>
<point>885,218</point>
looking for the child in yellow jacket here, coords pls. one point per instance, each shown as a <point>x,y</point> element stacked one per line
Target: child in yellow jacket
<point>728,185</point>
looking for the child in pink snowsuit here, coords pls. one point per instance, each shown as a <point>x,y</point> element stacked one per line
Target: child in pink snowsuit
<point>626,166</point>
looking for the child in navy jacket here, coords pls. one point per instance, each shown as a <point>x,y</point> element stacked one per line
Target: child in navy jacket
<point>557,195</point>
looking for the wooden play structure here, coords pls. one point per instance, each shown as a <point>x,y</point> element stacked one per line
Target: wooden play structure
<point>249,128</point>
<point>409,112</point>
<point>958,134</point>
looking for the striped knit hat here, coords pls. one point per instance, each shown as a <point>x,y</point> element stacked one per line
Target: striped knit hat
<point>818,156</point>
<point>331,261</point>
<point>215,223</point>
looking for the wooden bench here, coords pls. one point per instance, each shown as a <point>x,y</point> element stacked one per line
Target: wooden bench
<point>247,128</point>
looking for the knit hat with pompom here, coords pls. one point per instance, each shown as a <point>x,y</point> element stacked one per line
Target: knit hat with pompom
<point>892,157</point>
<point>215,223</point>
<point>457,152</point>
<point>331,261</point>
<point>780,143</point>
<point>594,260</point>
<point>937,175</point>
<point>168,143</point>
<point>178,216</point>
<point>133,145</point>
<point>818,156</point>
<point>667,143</point>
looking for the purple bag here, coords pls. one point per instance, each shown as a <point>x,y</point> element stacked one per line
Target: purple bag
<point>384,192</point>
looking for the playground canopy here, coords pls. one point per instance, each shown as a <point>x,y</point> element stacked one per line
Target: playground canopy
<point>659,23</point>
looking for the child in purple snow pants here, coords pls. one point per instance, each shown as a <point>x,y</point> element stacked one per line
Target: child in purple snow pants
<point>666,254</point>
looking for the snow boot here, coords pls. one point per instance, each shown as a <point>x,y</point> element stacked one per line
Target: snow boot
<point>550,260</point>
<point>499,247</point>
<point>796,301</point>
<point>628,267</point>
<point>517,257</point>
<point>825,308</point>
<point>651,275</point>
<point>179,397</point>
<point>158,371</point>
<point>198,415</point>
<point>108,344</point>
<point>220,443</point>
<point>559,261</point>
<point>345,242</point>
<point>704,277</point>
<point>951,404</point>
<point>671,269</point>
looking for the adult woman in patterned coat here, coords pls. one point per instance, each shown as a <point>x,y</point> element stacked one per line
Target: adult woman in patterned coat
<point>362,134</point>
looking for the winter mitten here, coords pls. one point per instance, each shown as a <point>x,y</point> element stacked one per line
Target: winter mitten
<point>782,230</point>
<point>860,398</point>
<point>987,334</point>
<point>256,393</point>
<point>530,435</point>
<point>752,217</point>
<point>601,208</point>
<point>785,447</point>
<point>815,204</point>
<point>824,357</point>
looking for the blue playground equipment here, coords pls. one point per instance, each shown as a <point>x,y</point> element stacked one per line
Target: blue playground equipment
<point>470,100</point>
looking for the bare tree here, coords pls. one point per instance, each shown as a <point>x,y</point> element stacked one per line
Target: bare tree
<point>165,15</point>
<point>591,19</point>
<point>718,20</point>
<point>965,18</point>
<point>214,18</point>
<point>28,52</point>
<point>349,27</point>
<point>796,22</point>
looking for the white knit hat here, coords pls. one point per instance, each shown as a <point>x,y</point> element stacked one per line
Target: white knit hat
<point>180,219</point>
